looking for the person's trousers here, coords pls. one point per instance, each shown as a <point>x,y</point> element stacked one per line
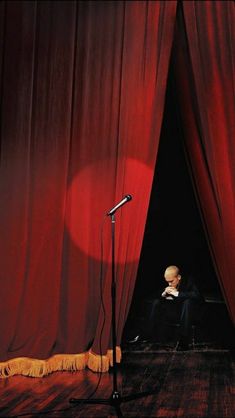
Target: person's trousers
<point>160,312</point>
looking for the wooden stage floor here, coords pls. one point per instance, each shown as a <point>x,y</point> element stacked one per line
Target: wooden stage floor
<point>195,383</point>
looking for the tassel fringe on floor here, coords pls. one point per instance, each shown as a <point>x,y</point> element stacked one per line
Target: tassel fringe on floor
<point>26,366</point>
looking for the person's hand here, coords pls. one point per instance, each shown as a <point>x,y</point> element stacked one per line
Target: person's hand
<point>169,290</point>
<point>164,293</point>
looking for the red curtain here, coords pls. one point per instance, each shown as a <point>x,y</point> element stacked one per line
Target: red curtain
<point>82,97</point>
<point>204,64</point>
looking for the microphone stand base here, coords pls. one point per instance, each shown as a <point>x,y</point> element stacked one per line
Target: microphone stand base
<point>115,400</point>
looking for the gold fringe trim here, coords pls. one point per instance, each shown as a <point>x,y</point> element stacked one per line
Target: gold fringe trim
<point>26,366</point>
<point>98,363</point>
<point>38,368</point>
<point>118,356</point>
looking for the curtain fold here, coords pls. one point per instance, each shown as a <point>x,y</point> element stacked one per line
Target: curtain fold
<point>204,72</point>
<point>82,97</point>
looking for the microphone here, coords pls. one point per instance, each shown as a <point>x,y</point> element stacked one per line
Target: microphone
<point>123,201</point>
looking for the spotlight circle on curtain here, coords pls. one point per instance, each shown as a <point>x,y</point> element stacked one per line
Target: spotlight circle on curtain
<point>93,192</point>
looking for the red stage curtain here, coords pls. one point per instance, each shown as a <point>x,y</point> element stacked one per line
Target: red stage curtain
<point>82,97</point>
<point>204,63</point>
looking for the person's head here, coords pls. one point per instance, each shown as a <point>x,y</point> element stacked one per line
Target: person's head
<point>172,276</point>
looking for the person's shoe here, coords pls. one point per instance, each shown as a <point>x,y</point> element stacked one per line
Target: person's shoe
<point>134,340</point>
<point>138,339</point>
<point>183,345</point>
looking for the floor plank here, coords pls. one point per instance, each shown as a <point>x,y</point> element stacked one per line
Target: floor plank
<point>187,384</point>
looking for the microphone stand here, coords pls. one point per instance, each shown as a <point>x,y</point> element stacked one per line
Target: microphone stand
<point>115,399</point>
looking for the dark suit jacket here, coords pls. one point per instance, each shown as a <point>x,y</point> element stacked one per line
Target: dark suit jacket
<point>187,290</point>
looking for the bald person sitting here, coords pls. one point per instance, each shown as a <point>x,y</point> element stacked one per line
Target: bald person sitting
<point>179,302</point>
